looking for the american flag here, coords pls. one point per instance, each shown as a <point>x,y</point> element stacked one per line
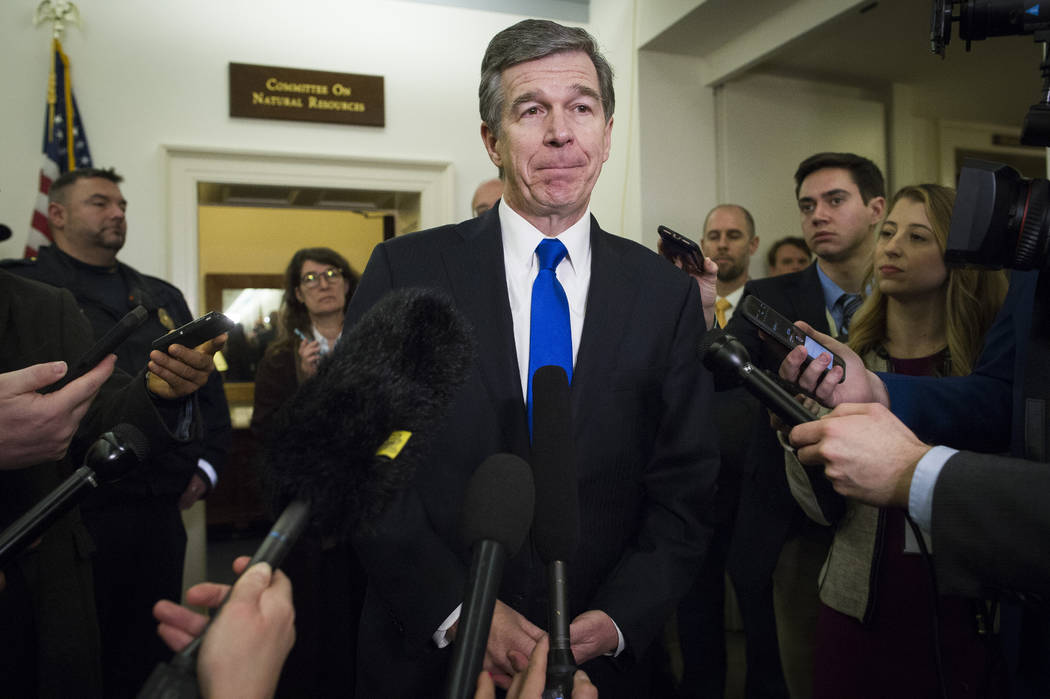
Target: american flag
<point>65,143</point>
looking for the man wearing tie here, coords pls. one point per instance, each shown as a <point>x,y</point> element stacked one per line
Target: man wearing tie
<point>541,283</point>
<point>841,199</point>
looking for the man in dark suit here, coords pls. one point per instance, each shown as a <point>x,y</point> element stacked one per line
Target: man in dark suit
<point>647,453</point>
<point>728,238</point>
<point>841,197</point>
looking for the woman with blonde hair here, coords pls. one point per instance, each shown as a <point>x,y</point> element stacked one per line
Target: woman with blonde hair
<point>875,630</point>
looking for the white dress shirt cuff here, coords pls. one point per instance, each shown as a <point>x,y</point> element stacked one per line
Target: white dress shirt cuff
<point>920,497</point>
<point>209,471</point>
<point>440,640</point>
<point>620,643</point>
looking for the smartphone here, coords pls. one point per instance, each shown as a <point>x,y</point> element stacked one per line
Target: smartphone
<point>784,331</point>
<point>107,344</point>
<point>195,332</point>
<point>677,245</point>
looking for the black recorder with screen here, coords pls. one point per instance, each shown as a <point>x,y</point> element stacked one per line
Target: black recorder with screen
<point>784,332</point>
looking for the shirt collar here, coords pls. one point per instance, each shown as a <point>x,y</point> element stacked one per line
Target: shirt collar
<point>832,291</point>
<point>520,238</point>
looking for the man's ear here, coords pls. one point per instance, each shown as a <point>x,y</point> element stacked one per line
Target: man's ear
<point>490,141</point>
<point>878,209</point>
<point>753,245</point>
<point>56,215</point>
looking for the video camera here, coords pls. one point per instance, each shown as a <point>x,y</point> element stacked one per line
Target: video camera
<point>1000,219</point>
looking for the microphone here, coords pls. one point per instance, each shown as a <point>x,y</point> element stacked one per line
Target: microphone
<point>5,232</point>
<point>556,523</point>
<point>178,679</point>
<point>109,458</point>
<point>497,511</point>
<point>728,358</point>
<point>351,436</point>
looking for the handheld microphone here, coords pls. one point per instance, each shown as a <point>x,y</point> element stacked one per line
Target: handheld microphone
<point>497,511</point>
<point>556,523</point>
<point>105,345</point>
<point>178,680</point>
<point>114,454</point>
<point>351,436</point>
<point>5,232</point>
<point>728,358</point>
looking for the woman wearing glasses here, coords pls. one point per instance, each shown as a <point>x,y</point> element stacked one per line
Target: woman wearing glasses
<point>327,580</point>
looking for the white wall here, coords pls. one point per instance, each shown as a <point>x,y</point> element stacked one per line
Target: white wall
<point>148,74</point>
<point>768,125</point>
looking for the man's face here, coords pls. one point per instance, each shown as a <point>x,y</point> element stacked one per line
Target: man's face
<point>836,223</point>
<point>789,258</point>
<point>726,241</point>
<point>89,220</point>
<point>486,196</point>
<point>553,136</point>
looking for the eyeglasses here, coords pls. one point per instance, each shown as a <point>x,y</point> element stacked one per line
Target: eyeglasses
<point>312,279</point>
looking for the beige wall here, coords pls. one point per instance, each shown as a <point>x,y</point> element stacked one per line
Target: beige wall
<point>239,240</point>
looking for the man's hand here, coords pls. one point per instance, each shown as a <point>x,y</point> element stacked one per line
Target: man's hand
<point>181,371</point>
<point>530,677</point>
<point>195,490</point>
<point>246,646</point>
<point>510,633</point>
<point>860,386</point>
<point>37,428</point>
<point>706,278</point>
<point>867,453</point>
<point>593,634</point>
<point>309,357</point>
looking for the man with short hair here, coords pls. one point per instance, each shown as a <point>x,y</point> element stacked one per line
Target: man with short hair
<point>789,254</point>
<point>486,195</point>
<point>628,327</point>
<point>841,199</point>
<point>135,523</point>
<point>729,239</point>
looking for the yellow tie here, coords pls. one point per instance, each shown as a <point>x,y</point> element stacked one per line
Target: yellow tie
<point>721,306</point>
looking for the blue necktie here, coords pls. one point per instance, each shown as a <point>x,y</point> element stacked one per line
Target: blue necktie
<point>550,335</point>
<point>850,304</point>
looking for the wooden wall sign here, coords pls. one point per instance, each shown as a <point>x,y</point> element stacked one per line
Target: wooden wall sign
<point>267,92</point>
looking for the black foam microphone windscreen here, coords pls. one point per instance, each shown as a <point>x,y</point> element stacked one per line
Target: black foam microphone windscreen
<point>498,503</point>
<point>389,379</point>
<point>497,510</point>
<point>556,524</point>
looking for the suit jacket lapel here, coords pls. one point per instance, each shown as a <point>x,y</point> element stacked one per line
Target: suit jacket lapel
<point>479,284</point>
<point>810,299</point>
<point>609,299</point>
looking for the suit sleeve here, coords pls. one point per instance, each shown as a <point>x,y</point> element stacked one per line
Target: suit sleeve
<point>971,412</point>
<point>991,527</point>
<point>409,565</point>
<point>659,564</point>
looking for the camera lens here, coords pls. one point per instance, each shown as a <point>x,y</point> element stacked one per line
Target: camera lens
<point>1000,219</point>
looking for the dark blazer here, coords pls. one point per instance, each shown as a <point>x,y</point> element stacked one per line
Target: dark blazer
<point>647,452</point>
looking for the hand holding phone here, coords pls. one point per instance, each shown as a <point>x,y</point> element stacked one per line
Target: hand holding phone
<point>196,332</point>
<point>784,332</point>
<point>675,246</point>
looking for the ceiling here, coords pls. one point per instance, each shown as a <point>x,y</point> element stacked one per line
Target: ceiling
<point>875,45</point>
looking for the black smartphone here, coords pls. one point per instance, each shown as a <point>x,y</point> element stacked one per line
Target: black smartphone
<point>107,344</point>
<point>195,332</point>
<point>677,245</point>
<point>784,331</point>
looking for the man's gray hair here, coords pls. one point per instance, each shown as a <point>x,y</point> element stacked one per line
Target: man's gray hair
<point>529,40</point>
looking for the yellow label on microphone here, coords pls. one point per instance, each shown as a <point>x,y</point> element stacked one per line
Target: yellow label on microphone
<point>394,444</point>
